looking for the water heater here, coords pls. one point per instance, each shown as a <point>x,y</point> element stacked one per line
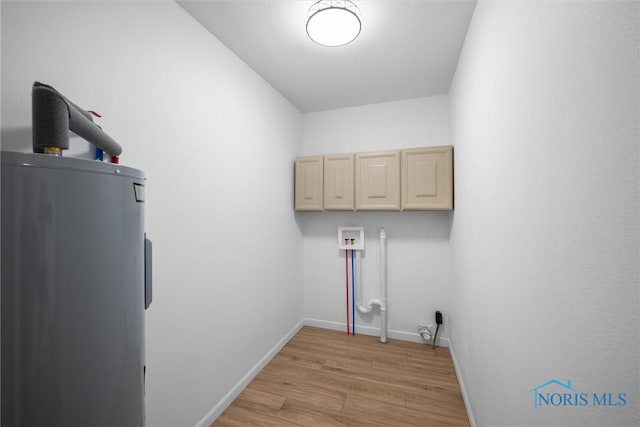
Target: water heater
<point>76,279</point>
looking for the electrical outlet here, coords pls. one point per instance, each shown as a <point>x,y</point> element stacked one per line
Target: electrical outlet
<point>425,330</point>
<point>427,325</point>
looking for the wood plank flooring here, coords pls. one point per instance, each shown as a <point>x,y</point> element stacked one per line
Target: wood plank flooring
<point>328,378</point>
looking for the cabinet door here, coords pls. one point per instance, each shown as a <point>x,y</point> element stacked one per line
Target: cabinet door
<point>338,182</point>
<point>308,183</point>
<point>427,178</point>
<point>378,181</point>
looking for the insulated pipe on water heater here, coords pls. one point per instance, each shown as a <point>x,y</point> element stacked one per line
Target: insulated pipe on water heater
<point>54,116</point>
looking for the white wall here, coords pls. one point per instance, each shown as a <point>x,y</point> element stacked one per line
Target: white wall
<point>418,242</point>
<point>544,112</point>
<point>217,145</point>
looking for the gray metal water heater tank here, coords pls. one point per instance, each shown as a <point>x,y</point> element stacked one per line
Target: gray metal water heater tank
<point>73,292</point>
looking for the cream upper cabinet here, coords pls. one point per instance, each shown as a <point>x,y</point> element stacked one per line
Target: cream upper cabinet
<point>309,183</point>
<point>427,178</point>
<point>378,181</point>
<point>338,182</point>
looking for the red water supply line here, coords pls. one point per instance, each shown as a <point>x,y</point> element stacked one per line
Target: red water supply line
<point>346,283</point>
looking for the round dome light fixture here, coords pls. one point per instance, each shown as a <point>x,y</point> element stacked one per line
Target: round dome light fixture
<point>333,23</point>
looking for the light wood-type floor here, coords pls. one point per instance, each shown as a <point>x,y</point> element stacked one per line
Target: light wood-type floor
<point>324,377</point>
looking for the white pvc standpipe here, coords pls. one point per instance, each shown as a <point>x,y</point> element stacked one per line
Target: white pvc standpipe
<point>382,300</point>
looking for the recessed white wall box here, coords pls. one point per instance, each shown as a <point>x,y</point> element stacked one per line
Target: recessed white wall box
<point>351,238</point>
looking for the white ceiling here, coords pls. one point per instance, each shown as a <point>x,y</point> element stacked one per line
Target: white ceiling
<point>407,48</point>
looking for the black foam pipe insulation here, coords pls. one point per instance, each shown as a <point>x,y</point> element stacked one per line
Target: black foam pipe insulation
<point>53,116</point>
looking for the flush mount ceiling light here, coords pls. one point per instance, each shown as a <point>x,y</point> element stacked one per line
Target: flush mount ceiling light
<point>333,22</point>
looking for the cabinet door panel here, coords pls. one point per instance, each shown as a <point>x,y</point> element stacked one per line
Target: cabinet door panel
<point>427,178</point>
<point>338,182</point>
<point>378,181</point>
<point>308,183</point>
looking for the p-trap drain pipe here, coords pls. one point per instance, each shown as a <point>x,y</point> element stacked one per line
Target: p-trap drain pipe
<point>382,300</point>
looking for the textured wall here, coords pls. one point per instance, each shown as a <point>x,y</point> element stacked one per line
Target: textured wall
<point>544,111</point>
<point>217,145</point>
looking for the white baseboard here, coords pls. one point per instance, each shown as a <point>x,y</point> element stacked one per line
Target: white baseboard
<point>369,330</point>
<point>465,396</point>
<point>219,408</point>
